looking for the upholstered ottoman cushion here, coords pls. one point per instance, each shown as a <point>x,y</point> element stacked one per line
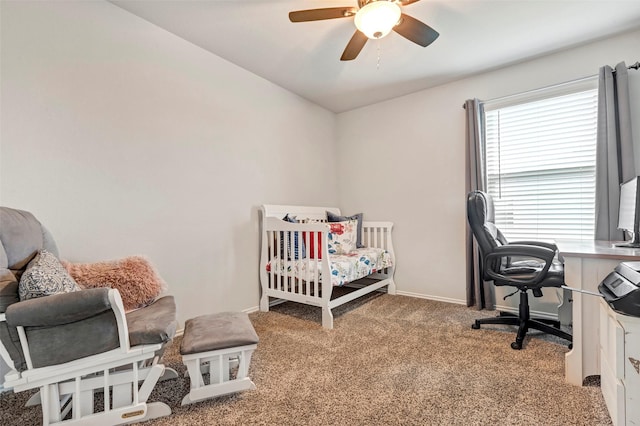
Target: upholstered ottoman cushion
<point>217,331</point>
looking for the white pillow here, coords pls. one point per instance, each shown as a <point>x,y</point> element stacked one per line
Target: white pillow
<point>45,276</point>
<point>342,237</point>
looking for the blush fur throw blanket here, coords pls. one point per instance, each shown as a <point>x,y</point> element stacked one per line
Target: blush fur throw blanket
<point>134,277</point>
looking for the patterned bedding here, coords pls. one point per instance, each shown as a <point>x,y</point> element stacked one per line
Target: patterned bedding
<point>344,267</point>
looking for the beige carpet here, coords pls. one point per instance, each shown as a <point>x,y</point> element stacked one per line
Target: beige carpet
<point>391,360</point>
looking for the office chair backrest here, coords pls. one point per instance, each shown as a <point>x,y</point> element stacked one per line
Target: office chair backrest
<point>481,216</point>
<point>524,265</point>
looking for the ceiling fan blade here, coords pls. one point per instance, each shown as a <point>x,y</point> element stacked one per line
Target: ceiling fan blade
<point>354,46</point>
<point>416,31</point>
<point>407,2</point>
<point>320,14</point>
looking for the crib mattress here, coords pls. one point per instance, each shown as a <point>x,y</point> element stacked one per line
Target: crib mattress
<point>344,268</point>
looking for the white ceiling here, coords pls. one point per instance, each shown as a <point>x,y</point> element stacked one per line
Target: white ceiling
<point>475,36</point>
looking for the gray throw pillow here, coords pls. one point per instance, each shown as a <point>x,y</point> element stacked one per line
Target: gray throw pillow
<point>45,276</point>
<point>331,217</point>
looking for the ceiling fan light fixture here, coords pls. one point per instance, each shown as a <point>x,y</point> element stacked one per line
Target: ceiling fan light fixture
<point>376,19</point>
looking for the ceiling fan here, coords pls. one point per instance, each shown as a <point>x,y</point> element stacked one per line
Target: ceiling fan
<point>374,19</point>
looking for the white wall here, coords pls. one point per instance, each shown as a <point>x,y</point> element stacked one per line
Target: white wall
<point>415,144</point>
<point>124,139</point>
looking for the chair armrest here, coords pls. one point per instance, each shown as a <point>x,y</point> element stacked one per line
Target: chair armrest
<point>551,246</point>
<point>532,251</point>
<point>539,252</point>
<point>59,309</point>
<point>56,329</point>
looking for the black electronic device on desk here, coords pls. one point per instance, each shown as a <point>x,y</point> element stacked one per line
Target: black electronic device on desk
<point>621,288</point>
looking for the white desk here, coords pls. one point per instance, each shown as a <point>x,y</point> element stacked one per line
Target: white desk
<point>586,263</point>
<point>619,368</point>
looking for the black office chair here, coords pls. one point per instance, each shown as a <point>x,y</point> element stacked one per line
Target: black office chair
<point>525,265</point>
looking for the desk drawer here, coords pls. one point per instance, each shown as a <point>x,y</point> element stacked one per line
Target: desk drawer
<point>632,373</point>
<point>613,392</point>
<point>612,341</point>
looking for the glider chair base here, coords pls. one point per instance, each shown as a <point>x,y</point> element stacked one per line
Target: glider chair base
<point>125,385</point>
<point>168,374</point>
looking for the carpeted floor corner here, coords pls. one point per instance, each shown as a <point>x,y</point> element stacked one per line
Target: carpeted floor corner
<point>390,360</point>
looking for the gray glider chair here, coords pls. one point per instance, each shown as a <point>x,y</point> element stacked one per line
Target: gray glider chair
<point>76,344</point>
<point>524,265</point>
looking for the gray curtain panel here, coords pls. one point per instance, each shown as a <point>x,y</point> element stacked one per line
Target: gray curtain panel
<point>479,293</point>
<point>614,152</point>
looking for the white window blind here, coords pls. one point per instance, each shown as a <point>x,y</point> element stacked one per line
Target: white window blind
<point>540,166</point>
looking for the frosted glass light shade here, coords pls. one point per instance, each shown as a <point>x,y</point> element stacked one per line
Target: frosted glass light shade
<point>377,18</point>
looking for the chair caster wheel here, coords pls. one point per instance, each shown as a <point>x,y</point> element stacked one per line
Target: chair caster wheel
<point>475,326</point>
<point>516,345</point>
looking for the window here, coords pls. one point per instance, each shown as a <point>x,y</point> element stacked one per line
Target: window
<point>540,158</point>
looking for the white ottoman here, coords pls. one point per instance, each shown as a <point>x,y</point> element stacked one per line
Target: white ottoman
<point>221,345</point>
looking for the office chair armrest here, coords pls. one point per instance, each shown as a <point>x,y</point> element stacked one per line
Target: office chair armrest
<point>522,250</point>
<point>551,246</point>
<point>531,251</point>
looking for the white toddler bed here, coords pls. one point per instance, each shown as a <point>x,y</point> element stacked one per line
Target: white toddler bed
<point>294,257</point>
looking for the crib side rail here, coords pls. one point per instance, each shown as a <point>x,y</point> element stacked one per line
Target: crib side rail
<point>291,270</point>
<point>378,234</point>
<point>275,224</point>
<point>300,212</point>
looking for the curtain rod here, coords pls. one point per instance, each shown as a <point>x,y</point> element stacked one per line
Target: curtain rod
<point>635,66</point>
<point>632,67</point>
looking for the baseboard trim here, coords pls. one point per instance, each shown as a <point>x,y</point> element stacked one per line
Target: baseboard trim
<point>509,309</point>
<point>250,310</point>
<point>428,297</point>
<point>534,314</point>
<point>273,302</point>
